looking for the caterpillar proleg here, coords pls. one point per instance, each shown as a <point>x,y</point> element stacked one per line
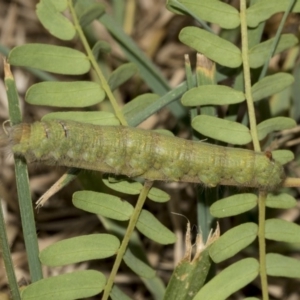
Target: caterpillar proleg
<point>142,153</point>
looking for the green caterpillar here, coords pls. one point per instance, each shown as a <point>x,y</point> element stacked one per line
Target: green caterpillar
<point>142,153</point>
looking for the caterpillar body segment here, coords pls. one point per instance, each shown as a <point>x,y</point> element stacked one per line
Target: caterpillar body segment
<point>141,153</point>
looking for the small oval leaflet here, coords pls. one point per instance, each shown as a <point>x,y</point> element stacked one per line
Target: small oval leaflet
<point>137,265</point>
<point>233,241</point>
<point>103,204</point>
<point>233,205</point>
<point>148,225</point>
<point>88,283</point>
<point>282,231</point>
<point>141,153</point>
<point>280,265</point>
<point>230,280</point>
<point>78,249</point>
<point>212,46</point>
<point>65,94</point>
<point>56,59</point>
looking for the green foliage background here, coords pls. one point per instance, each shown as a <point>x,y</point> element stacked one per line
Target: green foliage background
<point>242,57</point>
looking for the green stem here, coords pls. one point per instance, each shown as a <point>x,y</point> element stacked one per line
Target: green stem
<point>132,222</point>
<point>256,145</point>
<point>9,267</point>
<point>98,71</point>
<point>247,76</point>
<point>262,244</point>
<point>22,180</point>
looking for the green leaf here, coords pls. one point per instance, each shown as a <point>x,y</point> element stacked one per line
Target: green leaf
<point>56,59</point>
<point>158,195</point>
<point>103,204</point>
<point>263,10</point>
<point>117,294</point>
<point>164,132</point>
<point>212,95</point>
<point>259,53</point>
<point>103,118</point>
<point>282,231</point>
<point>279,265</point>
<point>148,225</point>
<point>233,205</point>
<point>121,75</point>
<point>233,241</point>
<point>138,104</point>
<point>226,16</point>
<point>91,13</point>
<point>282,201</point>
<point>138,266</point>
<point>271,85</point>
<point>65,94</point>
<point>78,249</point>
<point>76,285</point>
<point>274,124</point>
<point>101,47</point>
<point>147,69</point>
<point>222,130</point>
<point>126,187</point>
<point>60,5</point>
<point>283,156</point>
<point>230,280</point>
<point>57,24</point>
<point>212,46</point>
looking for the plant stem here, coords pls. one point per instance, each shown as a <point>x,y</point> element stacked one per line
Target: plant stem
<point>262,244</point>
<point>9,267</point>
<point>256,145</point>
<point>99,73</point>
<point>132,222</point>
<point>247,76</point>
<point>22,180</point>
